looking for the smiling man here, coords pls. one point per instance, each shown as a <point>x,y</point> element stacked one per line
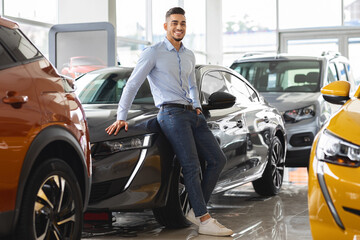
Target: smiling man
<point>170,69</point>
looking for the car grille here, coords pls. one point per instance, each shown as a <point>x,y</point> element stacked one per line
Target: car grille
<point>104,190</point>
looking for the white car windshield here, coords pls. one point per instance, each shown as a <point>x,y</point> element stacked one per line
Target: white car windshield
<point>282,76</point>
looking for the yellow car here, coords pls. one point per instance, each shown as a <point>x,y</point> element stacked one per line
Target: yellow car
<point>334,172</point>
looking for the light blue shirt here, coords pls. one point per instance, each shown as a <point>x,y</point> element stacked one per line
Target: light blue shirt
<point>171,76</point>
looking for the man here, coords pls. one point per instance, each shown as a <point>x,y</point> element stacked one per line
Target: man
<point>170,69</point>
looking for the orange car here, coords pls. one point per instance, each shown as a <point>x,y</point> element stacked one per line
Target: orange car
<point>45,163</point>
<point>334,170</point>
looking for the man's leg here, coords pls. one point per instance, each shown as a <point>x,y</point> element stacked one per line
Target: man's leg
<point>209,150</point>
<point>178,127</point>
<point>176,124</point>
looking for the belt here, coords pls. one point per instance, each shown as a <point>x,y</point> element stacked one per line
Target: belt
<point>187,107</point>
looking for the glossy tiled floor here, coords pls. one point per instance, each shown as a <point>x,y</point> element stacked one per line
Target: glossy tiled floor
<point>250,216</point>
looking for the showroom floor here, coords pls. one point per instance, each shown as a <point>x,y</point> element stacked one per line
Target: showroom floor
<point>250,216</point>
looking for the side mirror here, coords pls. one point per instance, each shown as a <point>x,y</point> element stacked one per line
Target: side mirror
<point>220,100</point>
<point>336,92</point>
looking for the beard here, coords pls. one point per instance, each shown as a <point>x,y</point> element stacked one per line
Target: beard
<point>177,39</point>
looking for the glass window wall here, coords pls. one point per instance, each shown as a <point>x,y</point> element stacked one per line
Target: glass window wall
<point>248,27</point>
<point>195,28</point>
<point>309,13</point>
<point>36,10</point>
<point>354,57</point>
<point>131,19</point>
<point>312,46</point>
<point>352,12</point>
<point>131,30</point>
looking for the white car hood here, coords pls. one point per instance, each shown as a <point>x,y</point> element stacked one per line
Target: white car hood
<point>290,100</point>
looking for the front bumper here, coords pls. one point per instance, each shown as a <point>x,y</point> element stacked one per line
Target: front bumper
<point>334,200</point>
<point>300,137</point>
<point>133,179</point>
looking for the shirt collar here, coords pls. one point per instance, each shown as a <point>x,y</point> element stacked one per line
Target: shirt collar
<point>170,47</point>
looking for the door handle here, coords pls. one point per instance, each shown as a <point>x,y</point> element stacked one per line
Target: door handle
<point>13,100</point>
<point>239,124</point>
<point>266,119</point>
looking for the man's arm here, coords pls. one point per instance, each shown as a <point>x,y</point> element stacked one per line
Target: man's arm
<point>193,89</point>
<point>144,66</point>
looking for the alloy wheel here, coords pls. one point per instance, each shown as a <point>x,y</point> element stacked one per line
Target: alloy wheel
<point>54,210</point>
<point>183,195</point>
<point>277,164</point>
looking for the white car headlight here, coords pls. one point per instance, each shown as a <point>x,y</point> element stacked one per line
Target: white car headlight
<point>299,114</point>
<point>333,149</point>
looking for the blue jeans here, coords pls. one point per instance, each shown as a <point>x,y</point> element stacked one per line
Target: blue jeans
<point>192,140</point>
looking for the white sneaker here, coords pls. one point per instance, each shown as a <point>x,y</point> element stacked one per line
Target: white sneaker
<point>191,217</point>
<point>214,228</point>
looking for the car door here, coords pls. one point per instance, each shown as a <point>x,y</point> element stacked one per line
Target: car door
<point>229,126</point>
<point>20,114</point>
<point>256,119</point>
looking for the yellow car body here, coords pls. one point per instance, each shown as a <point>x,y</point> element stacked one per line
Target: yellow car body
<point>334,169</point>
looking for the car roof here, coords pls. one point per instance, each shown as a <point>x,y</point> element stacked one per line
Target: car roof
<point>208,67</point>
<point>8,23</point>
<point>285,56</point>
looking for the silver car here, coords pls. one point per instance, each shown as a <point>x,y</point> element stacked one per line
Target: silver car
<point>292,84</point>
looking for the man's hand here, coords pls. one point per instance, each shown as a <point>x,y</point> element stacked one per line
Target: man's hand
<point>198,111</point>
<point>116,126</point>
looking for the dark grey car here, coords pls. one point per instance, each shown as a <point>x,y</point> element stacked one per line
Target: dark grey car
<point>292,84</point>
<point>137,169</point>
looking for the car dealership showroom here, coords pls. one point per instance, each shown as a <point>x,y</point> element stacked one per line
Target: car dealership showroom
<point>179,119</point>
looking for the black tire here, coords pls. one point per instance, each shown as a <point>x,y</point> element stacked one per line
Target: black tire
<point>271,181</point>
<point>172,215</point>
<point>52,206</point>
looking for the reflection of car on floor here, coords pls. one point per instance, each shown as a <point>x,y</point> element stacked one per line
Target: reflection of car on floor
<point>292,84</point>
<point>45,166</point>
<point>80,65</point>
<point>136,170</point>
<point>334,183</point>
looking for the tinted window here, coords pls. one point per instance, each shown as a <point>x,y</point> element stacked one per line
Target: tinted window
<point>5,59</point>
<point>281,76</point>
<point>213,82</point>
<point>238,88</point>
<point>107,88</point>
<point>18,44</point>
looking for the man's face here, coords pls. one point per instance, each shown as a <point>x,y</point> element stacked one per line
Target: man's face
<point>175,27</point>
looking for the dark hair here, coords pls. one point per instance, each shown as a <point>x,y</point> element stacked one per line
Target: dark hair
<point>174,10</point>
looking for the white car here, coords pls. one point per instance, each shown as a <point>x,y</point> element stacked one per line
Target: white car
<point>292,84</point>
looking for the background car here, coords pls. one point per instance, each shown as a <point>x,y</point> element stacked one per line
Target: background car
<point>45,161</point>
<point>136,170</point>
<point>333,195</point>
<point>80,65</point>
<point>292,84</point>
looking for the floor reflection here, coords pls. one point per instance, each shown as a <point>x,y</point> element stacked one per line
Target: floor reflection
<point>250,216</point>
